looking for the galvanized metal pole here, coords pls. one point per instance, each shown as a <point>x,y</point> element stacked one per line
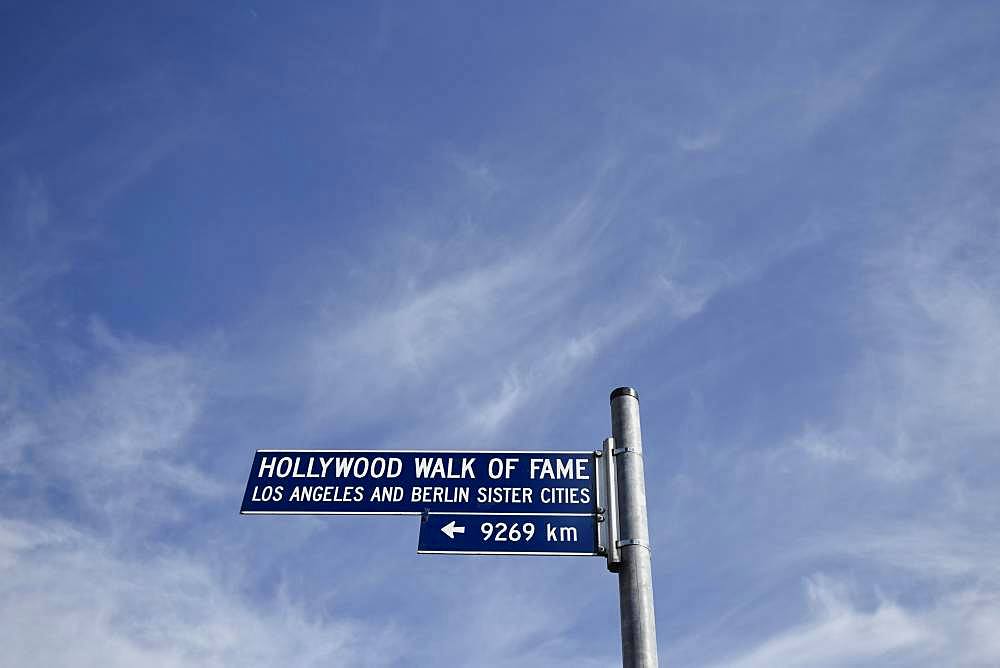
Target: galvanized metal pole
<point>635,575</point>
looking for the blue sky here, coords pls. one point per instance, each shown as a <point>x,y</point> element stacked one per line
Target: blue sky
<point>460,225</point>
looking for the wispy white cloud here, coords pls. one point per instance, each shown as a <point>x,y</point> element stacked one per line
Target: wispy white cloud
<point>935,549</point>
<point>922,398</point>
<point>115,440</point>
<point>30,253</point>
<point>955,629</point>
<point>521,319</point>
<point>528,314</point>
<point>839,633</point>
<point>705,141</point>
<point>891,479</point>
<point>93,469</point>
<point>165,610</point>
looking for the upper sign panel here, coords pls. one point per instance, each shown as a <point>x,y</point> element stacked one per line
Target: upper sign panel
<point>357,482</point>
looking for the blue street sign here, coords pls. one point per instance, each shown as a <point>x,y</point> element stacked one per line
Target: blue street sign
<point>376,482</point>
<point>566,535</point>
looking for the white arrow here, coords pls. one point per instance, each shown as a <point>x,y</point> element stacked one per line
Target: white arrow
<point>450,529</point>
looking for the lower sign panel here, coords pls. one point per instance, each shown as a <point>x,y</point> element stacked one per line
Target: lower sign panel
<point>557,535</point>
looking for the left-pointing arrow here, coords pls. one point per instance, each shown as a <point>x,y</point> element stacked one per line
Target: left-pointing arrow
<point>450,529</point>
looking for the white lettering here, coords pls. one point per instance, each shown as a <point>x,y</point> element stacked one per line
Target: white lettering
<point>343,467</point>
<point>284,467</point>
<point>570,495</point>
<point>439,495</point>
<point>423,465</point>
<point>325,462</point>
<point>564,469</point>
<point>267,493</point>
<point>265,464</point>
<point>435,467</point>
<point>503,495</point>
<point>560,534</point>
<point>383,494</point>
<point>361,467</point>
<point>395,467</point>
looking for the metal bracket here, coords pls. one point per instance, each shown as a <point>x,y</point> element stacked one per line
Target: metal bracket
<point>622,451</point>
<point>609,494</point>
<point>633,541</point>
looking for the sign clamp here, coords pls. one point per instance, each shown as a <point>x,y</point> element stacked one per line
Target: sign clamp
<point>609,489</point>
<point>632,541</point>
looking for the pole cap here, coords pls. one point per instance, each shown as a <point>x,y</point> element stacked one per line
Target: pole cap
<point>623,392</point>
